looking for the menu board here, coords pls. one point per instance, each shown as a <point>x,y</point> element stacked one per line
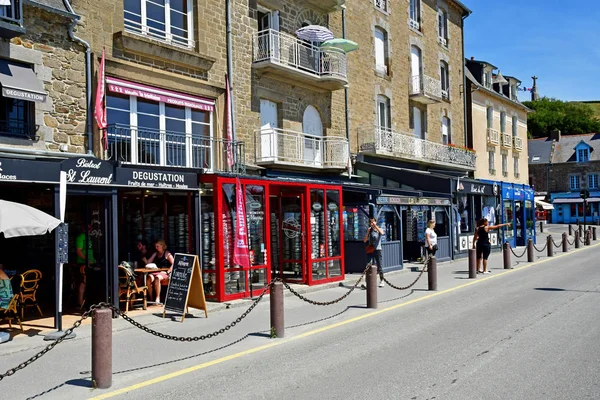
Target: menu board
<point>185,286</point>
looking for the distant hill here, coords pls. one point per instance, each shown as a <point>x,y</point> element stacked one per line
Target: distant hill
<point>595,106</point>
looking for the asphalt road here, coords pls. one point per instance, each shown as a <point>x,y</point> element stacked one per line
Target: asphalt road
<point>531,333</point>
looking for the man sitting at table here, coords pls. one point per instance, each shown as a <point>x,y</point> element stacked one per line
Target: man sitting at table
<point>143,253</point>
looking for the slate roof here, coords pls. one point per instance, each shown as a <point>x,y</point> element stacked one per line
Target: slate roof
<point>55,4</point>
<point>564,149</point>
<point>541,148</point>
<point>469,75</point>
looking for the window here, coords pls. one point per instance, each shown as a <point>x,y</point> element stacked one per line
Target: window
<point>165,20</point>
<point>443,27</point>
<point>445,80</point>
<point>503,122</point>
<point>384,117</point>
<point>492,161</point>
<point>515,125</point>
<point>505,164</point>
<point>593,181</point>
<point>516,166</point>
<point>382,5</point>
<point>381,50</point>
<point>417,120</point>
<point>487,79</point>
<point>415,14</point>
<point>574,182</point>
<point>446,131</point>
<point>490,117</point>
<point>583,155</point>
<point>16,118</point>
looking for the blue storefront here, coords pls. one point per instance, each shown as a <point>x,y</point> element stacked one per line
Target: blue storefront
<point>568,208</point>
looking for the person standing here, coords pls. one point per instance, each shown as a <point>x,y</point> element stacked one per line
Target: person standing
<point>373,238</point>
<point>85,259</point>
<point>430,239</point>
<point>481,242</point>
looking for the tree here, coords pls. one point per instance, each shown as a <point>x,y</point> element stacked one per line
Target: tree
<point>569,118</point>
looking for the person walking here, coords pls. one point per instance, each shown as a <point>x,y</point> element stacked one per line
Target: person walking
<point>373,238</point>
<point>481,242</point>
<point>430,239</point>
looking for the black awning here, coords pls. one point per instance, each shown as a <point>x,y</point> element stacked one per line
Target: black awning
<point>20,82</point>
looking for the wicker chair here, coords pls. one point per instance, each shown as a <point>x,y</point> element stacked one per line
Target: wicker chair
<point>130,290</point>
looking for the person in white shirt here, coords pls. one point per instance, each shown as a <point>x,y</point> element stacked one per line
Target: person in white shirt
<point>430,238</point>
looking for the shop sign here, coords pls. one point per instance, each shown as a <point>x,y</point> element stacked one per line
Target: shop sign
<point>88,171</point>
<point>495,189</point>
<point>156,179</point>
<point>317,207</point>
<point>13,170</point>
<point>416,201</point>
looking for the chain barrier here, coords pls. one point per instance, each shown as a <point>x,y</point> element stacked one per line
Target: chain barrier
<point>571,243</point>
<point>327,303</point>
<point>543,248</point>
<point>46,349</point>
<point>425,265</point>
<point>558,246</point>
<point>518,256</point>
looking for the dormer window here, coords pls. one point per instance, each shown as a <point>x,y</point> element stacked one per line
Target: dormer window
<point>583,155</point>
<point>487,79</point>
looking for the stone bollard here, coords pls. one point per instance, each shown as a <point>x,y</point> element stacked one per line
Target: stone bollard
<point>277,313</point>
<point>472,263</point>
<point>530,254</point>
<point>541,227</point>
<point>587,238</point>
<point>432,274</point>
<point>576,239</point>
<point>570,230</point>
<point>594,233</point>
<point>506,255</point>
<point>565,244</point>
<point>102,348</point>
<point>549,246</point>
<point>580,230</point>
<point>372,287</point>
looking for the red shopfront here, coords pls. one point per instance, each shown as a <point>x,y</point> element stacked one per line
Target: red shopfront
<point>294,232</point>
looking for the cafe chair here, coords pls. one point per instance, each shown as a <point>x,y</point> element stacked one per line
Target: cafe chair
<point>11,312</point>
<point>130,290</point>
<point>27,291</point>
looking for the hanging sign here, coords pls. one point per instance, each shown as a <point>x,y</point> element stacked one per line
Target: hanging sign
<point>424,201</point>
<point>88,171</point>
<point>185,286</point>
<point>147,178</point>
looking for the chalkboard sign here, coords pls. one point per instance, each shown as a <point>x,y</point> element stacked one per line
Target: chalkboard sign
<point>185,286</point>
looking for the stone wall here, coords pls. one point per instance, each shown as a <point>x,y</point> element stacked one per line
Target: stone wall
<point>60,64</point>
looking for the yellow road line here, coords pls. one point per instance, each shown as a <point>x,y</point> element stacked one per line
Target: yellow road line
<point>320,330</point>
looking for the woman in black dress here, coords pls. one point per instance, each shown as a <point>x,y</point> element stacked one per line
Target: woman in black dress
<point>482,239</point>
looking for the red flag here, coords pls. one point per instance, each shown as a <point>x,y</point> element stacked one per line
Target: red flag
<point>100,107</point>
<point>229,139</point>
<point>241,256</point>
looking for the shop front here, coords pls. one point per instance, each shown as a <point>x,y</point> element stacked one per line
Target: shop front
<point>568,208</point>
<point>294,233</point>
<point>517,207</point>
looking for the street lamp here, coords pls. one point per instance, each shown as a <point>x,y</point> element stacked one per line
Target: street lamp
<point>584,194</point>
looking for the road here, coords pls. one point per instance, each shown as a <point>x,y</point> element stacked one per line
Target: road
<point>527,333</point>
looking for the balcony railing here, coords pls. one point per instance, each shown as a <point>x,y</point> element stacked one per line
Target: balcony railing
<point>291,55</point>
<point>11,19</point>
<point>386,142</point>
<point>493,136</point>
<point>425,89</point>
<point>517,143</point>
<point>506,139</point>
<point>131,145</point>
<point>18,128</point>
<point>287,147</point>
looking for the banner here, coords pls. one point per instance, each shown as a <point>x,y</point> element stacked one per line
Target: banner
<point>100,107</point>
<point>229,116</point>
<point>241,255</point>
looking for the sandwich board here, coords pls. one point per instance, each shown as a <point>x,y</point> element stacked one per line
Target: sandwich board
<point>185,286</point>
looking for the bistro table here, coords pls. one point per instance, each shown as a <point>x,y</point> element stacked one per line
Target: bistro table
<point>145,272</point>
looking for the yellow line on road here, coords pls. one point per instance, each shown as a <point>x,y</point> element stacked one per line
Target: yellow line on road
<point>319,330</point>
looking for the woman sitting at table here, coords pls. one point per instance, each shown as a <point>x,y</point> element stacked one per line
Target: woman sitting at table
<point>163,259</point>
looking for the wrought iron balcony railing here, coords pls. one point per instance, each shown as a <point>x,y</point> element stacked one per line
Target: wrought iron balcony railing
<point>493,136</point>
<point>506,140</point>
<point>425,89</point>
<point>517,143</point>
<point>387,142</point>
<point>139,146</point>
<point>287,147</point>
<point>18,128</point>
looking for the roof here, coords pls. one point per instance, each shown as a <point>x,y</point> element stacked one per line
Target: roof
<point>540,149</point>
<point>482,62</point>
<point>474,80</point>
<point>58,5</point>
<point>564,148</point>
<point>466,10</point>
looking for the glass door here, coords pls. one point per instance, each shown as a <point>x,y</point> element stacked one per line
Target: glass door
<point>292,234</point>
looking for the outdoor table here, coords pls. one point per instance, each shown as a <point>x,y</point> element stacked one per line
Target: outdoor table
<point>145,272</point>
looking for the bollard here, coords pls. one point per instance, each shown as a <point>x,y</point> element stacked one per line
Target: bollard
<point>277,315</point>
<point>102,348</point>
<point>570,230</point>
<point>530,250</point>
<point>372,287</point>
<point>587,238</point>
<point>597,221</point>
<point>549,246</point>
<point>594,233</point>
<point>506,255</point>
<point>472,263</point>
<point>432,274</point>
<point>576,239</point>
<point>580,230</point>
<point>565,244</point>
<point>541,227</point>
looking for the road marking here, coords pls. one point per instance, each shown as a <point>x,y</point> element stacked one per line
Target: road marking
<point>320,330</point>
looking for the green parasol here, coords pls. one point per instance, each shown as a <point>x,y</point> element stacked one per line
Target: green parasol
<point>344,45</point>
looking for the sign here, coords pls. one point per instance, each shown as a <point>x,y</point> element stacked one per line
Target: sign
<point>146,178</point>
<point>495,189</point>
<point>584,194</point>
<point>88,171</point>
<point>62,243</point>
<point>23,95</point>
<point>15,170</point>
<point>185,286</point>
<point>417,201</point>
<point>241,255</point>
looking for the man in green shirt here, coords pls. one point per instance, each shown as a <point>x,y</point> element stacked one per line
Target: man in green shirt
<point>85,258</point>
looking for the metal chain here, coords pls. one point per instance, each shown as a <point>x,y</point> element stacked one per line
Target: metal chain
<point>543,248</point>
<point>37,356</point>
<point>558,246</point>
<point>524,251</point>
<point>192,338</point>
<point>426,264</point>
<point>327,303</point>
<point>571,243</point>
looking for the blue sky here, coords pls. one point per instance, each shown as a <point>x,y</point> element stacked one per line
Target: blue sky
<point>556,40</point>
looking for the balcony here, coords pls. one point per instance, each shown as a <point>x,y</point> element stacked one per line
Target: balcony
<point>506,140</point>
<point>493,136</point>
<point>11,20</point>
<point>327,5</point>
<point>385,142</point>
<point>293,60</point>
<point>283,147</point>
<point>517,143</point>
<point>425,89</point>
<point>130,145</point>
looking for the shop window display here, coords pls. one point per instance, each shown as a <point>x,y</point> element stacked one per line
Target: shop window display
<point>208,230</point>
<point>509,217</point>
<point>356,222</point>
<point>529,218</point>
<point>317,227</point>
<point>234,276</point>
<point>292,237</point>
<point>519,218</point>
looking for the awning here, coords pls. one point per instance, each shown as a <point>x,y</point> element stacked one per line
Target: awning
<point>575,200</point>
<point>544,205</point>
<point>20,82</point>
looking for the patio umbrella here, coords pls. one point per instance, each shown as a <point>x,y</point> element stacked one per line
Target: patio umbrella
<point>344,45</point>
<point>21,220</point>
<point>314,33</point>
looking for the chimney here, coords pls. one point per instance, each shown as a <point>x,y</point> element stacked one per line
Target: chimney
<point>534,92</point>
<point>555,135</point>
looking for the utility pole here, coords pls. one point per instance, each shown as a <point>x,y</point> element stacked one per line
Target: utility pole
<point>584,194</point>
